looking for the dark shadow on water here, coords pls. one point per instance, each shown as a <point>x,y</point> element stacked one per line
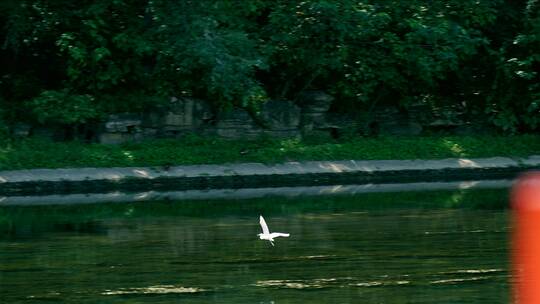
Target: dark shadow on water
<point>20,221</point>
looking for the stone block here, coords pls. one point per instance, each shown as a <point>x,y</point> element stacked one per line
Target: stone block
<point>280,115</point>
<point>315,101</point>
<point>187,114</point>
<point>237,124</point>
<point>115,138</point>
<point>123,123</point>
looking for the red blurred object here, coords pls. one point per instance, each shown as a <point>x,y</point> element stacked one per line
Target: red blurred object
<point>526,239</point>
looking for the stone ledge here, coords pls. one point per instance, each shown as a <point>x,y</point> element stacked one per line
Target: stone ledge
<point>255,175</point>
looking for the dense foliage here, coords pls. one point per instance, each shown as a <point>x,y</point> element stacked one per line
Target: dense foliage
<point>72,61</point>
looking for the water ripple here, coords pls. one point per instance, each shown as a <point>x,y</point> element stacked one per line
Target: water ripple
<point>454,281</point>
<point>158,289</point>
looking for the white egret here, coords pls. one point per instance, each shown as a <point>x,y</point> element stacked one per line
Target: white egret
<point>266,235</point>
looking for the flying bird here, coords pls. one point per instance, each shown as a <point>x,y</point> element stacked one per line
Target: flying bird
<point>266,235</point>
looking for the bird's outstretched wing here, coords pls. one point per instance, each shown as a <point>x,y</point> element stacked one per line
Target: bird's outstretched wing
<point>263,225</point>
<point>276,234</point>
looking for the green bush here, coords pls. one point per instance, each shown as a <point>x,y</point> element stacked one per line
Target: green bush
<point>63,107</point>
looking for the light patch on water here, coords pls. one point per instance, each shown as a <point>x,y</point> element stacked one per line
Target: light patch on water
<point>158,289</point>
<point>324,283</point>
<point>478,270</point>
<point>453,232</point>
<point>320,217</point>
<point>297,284</point>
<point>379,283</point>
<point>49,294</point>
<point>315,257</point>
<point>368,284</point>
<point>453,281</point>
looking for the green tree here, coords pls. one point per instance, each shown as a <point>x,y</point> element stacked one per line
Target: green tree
<point>514,104</point>
<point>120,55</point>
<point>205,50</point>
<point>94,48</point>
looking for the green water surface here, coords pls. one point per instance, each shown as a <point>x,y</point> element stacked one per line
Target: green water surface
<point>422,247</point>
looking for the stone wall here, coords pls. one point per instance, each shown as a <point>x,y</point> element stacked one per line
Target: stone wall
<point>183,116</point>
<point>277,118</point>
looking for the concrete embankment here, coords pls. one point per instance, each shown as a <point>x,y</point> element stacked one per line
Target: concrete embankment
<point>245,193</point>
<point>257,175</point>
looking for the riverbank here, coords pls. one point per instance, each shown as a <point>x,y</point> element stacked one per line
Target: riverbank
<point>257,175</point>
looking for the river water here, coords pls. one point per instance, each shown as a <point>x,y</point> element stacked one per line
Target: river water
<point>426,247</point>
